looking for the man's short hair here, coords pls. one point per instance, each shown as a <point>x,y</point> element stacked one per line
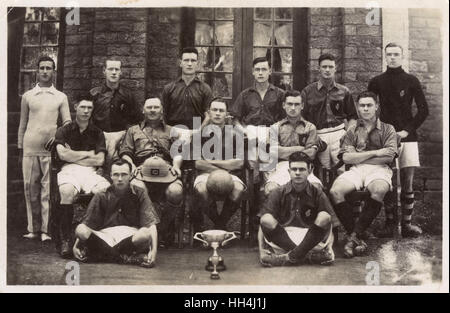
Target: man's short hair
<point>393,45</point>
<point>188,50</point>
<point>326,56</point>
<point>300,157</point>
<point>218,99</point>
<point>260,60</point>
<point>84,97</point>
<point>112,59</point>
<point>367,94</point>
<point>291,93</point>
<point>121,162</point>
<point>46,58</point>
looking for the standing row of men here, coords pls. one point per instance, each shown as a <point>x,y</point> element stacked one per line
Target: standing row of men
<point>329,113</point>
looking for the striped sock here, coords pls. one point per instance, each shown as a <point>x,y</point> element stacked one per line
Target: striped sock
<point>407,206</point>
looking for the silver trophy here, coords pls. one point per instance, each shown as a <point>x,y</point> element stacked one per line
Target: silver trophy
<point>215,238</point>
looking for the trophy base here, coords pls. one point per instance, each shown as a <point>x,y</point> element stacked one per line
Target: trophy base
<point>215,276</point>
<point>220,266</point>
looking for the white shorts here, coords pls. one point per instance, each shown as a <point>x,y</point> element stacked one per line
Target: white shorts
<point>83,178</point>
<point>361,175</point>
<point>329,157</point>
<point>297,234</point>
<point>202,178</point>
<point>281,175</point>
<point>114,235</point>
<point>408,154</point>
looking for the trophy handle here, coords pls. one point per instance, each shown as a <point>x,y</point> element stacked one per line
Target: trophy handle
<point>233,236</point>
<point>196,236</point>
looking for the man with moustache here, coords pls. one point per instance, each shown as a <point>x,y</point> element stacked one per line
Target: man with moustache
<point>149,143</point>
<point>40,109</point>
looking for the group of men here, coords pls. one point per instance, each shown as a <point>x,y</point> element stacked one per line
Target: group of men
<point>143,195</point>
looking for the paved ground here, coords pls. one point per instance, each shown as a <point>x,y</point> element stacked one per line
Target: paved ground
<point>405,262</point>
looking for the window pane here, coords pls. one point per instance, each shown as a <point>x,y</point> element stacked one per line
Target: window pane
<point>224,33</point>
<point>31,34</point>
<point>282,81</point>
<point>30,57</point>
<point>51,14</point>
<point>283,14</point>
<point>33,14</point>
<point>205,56</point>
<point>261,52</point>
<point>262,32</point>
<point>51,52</point>
<point>50,32</point>
<point>224,14</point>
<point>27,81</point>
<point>224,59</point>
<point>283,34</point>
<point>263,13</point>
<point>282,60</point>
<point>204,13</point>
<point>204,33</point>
<point>223,85</point>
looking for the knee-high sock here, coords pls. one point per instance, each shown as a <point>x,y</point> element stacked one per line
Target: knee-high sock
<point>390,207</point>
<point>169,213</point>
<point>65,221</point>
<point>344,212</point>
<point>407,206</point>
<point>369,213</point>
<point>279,236</point>
<point>126,246</point>
<point>229,208</point>
<point>99,250</point>
<point>314,235</point>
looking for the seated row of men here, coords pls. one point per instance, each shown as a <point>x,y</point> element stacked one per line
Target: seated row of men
<point>122,219</point>
<point>328,110</point>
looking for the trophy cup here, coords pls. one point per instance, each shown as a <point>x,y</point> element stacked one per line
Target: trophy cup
<point>214,239</point>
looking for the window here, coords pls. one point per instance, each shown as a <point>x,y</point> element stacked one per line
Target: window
<point>272,38</point>
<point>214,40</point>
<point>41,37</point>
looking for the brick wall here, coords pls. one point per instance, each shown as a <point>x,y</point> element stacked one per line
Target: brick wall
<point>162,49</point>
<point>362,50</point>
<point>425,48</point>
<point>325,37</point>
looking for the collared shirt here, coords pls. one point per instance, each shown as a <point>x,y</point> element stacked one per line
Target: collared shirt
<point>250,109</point>
<point>182,102</point>
<point>303,133</point>
<point>357,139</point>
<point>292,208</point>
<point>114,110</point>
<point>142,141</point>
<point>92,138</point>
<point>327,108</point>
<point>396,90</point>
<point>133,209</point>
<point>40,108</point>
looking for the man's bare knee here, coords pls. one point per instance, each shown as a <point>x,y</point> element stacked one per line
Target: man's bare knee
<point>378,190</point>
<point>142,236</point>
<point>323,219</point>
<point>67,193</point>
<point>201,191</point>
<point>268,221</point>
<point>100,187</point>
<point>83,232</point>
<point>238,192</point>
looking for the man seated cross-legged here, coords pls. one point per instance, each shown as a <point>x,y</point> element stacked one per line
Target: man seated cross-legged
<point>296,220</point>
<point>120,224</point>
<point>370,147</point>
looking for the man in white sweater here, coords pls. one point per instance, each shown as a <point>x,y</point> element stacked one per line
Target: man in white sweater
<point>40,108</point>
